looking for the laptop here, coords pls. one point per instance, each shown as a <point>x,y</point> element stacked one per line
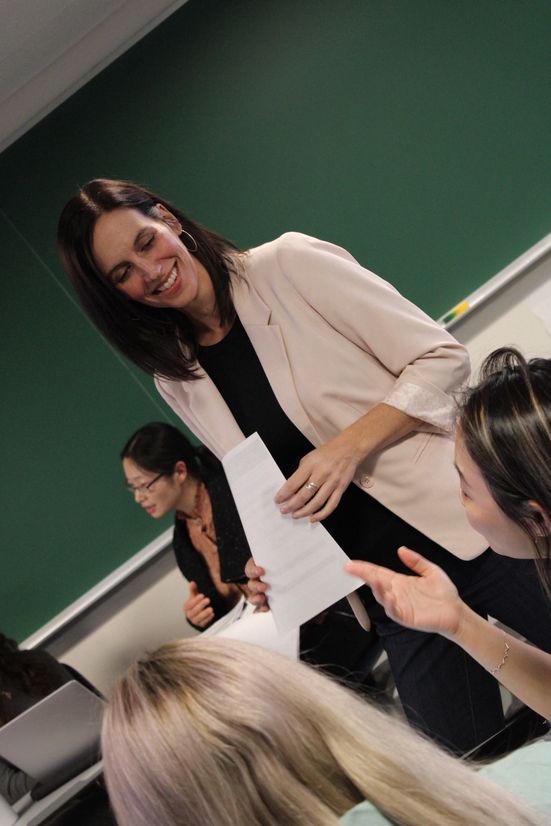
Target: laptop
<point>56,738</point>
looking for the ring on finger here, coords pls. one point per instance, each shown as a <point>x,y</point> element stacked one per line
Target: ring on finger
<point>311,486</point>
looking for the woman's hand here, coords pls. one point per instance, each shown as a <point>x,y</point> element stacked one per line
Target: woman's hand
<point>257,589</point>
<point>427,602</point>
<point>321,478</point>
<point>323,475</point>
<point>197,608</point>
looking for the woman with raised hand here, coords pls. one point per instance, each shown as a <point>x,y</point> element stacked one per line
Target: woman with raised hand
<point>349,385</point>
<point>503,458</point>
<point>193,735</point>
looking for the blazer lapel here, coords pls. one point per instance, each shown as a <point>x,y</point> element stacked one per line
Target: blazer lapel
<point>213,422</point>
<point>268,343</point>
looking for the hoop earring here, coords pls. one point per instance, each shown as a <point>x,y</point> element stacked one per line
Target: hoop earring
<point>189,235</point>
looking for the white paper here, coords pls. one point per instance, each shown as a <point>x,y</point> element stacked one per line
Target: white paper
<point>247,624</point>
<point>303,563</point>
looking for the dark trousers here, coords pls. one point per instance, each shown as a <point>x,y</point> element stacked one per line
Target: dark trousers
<point>336,643</point>
<point>444,692</point>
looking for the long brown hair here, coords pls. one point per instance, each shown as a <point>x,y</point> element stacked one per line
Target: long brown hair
<point>160,341</point>
<point>506,426</point>
<point>220,732</point>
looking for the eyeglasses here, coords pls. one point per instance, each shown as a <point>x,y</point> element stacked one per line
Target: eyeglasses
<point>134,489</point>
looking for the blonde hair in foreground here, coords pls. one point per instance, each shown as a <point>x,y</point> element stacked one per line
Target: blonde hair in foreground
<point>223,733</point>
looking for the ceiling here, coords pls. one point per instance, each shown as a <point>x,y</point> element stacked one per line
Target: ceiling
<point>49,48</point>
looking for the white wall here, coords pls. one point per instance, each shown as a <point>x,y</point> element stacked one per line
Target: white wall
<point>139,616</point>
<point>507,319</point>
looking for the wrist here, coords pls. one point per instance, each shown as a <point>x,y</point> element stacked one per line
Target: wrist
<point>357,442</point>
<point>467,621</point>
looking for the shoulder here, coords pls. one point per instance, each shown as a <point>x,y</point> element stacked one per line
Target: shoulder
<point>291,244</point>
<point>364,814</point>
<point>269,253</point>
<point>288,240</point>
<point>296,258</point>
<point>525,772</point>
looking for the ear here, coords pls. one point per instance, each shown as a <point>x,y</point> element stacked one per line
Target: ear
<point>541,518</point>
<point>180,469</point>
<point>169,219</point>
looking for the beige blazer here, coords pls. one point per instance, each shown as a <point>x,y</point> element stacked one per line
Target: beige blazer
<point>334,340</point>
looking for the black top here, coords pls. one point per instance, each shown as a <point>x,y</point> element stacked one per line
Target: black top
<point>231,542</point>
<point>235,369</point>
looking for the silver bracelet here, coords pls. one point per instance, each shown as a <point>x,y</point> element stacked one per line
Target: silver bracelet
<point>498,667</point>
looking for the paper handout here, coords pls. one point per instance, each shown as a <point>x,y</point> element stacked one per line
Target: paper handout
<point>303,563</point>
<point>247,624</point>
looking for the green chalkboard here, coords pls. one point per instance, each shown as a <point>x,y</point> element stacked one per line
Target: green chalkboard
<point>416,134</point>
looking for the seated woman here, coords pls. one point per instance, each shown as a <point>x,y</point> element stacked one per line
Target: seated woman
<point>219,732</point>
<point>166,474</point>
<point>503,457</point>
<point>25,678</point>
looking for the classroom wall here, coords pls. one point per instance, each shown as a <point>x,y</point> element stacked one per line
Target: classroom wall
<point>144,613</point>
<point>508,318</point>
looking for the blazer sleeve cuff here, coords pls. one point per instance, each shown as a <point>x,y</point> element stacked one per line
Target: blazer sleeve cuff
<point>435,409</point>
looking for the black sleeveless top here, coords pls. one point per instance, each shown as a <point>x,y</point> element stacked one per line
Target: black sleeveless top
<point>359,523</point>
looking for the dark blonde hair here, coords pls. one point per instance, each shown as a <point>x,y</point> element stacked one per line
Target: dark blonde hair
<point>159,340</point>
<point>505,422</point>
<point>220,732</point>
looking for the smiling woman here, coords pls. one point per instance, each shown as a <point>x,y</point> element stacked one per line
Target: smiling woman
<point>350,386</point>
<point>147,261</point>
<point>120,243</point>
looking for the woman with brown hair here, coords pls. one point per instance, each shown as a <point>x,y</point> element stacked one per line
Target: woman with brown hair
<point>349,385</point>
